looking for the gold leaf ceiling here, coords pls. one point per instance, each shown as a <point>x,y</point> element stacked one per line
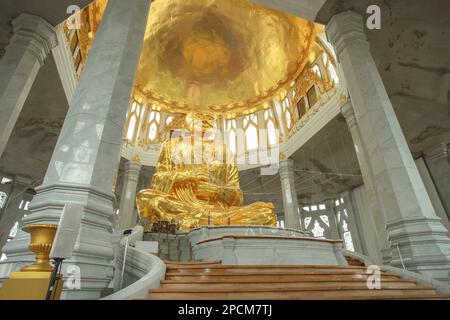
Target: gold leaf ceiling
<point>221,56</point>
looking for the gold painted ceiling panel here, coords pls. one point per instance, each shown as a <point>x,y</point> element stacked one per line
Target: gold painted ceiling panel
<point>224,56</point>
<point>221,56</point>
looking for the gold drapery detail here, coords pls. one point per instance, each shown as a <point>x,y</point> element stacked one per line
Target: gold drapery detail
<point>196,182</point>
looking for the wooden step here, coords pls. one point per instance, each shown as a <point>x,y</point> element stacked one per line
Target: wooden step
<point>245,280</point>
<point>194,266</point>
<point>182,265</point>
<point>323,285</point>
<point>170,263</point>
<point>249,294</point>
<point>274,271</point>
<point>434,297</point>
<point>253,278</point>
<point>275,277</point>
<point>210,280</point>
<point>221,269</point>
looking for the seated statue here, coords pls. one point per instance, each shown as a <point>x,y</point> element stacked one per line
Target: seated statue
<point>196,183</point>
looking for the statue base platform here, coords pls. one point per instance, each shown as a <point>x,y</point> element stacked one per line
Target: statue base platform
<point>253,245</point>
<point>208,232</point>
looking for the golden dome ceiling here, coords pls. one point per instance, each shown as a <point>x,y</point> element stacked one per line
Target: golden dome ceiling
<point>222,56</point>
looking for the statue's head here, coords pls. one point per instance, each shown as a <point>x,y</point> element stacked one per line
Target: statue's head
<point>200,122</point>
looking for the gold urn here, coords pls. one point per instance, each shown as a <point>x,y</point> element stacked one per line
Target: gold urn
<point>42,236</point>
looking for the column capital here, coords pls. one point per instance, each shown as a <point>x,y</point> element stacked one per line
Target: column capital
<point>286,168</point>
<point>344,28</point>
<point>35,34</point>
<point>132,170</point>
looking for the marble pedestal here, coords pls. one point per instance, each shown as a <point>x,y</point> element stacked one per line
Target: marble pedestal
<point>205,233</point>
<point>264,246</point>
<point>266,250</point>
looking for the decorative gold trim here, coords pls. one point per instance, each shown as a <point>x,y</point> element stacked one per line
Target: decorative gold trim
<point>42,236</point>
<point>136,158</point>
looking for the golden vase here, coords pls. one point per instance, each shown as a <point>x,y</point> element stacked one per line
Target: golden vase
<point>42,236</point>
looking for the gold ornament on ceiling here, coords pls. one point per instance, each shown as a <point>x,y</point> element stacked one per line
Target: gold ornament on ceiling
<point>221,56</point>
<point>228,57</point>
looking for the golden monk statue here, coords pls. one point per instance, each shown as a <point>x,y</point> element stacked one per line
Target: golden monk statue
<point>196,183</point>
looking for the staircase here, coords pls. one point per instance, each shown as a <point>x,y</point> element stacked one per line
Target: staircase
<point>212,280</point>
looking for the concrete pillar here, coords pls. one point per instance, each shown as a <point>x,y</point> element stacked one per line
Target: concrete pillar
<point>32,40</point>
<point>63,56</point>
<point>278,113</point>
<point>127,212</point>
<point>352,222</point>
<point>290,202</point>
<point>437,161</point>
<point>417,237</point>
<point>334,228</point>
<point>364,219</point>
<point>432,192</point>
<point>374,214</point>
<point>11,212</point>
<point>83,163</point>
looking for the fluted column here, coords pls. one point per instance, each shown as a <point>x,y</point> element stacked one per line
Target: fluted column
<point>413,228</point>
<point>12,213</point>
<point>127,213</point>
<point>32,40</point>
<point>82,167</point>
<point>377,239</point>
<point>290,202</point>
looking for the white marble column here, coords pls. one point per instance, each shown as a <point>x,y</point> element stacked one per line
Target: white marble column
<point>31,42</point>
<point>290,202</point>
<point>63,56</point>
<point>11,212</point>
<point>81,170</point>
<point>352,222</point>
<point>333,227</point>
<point>365,223</point>
<point>413,228</point>
<point>127,212</point>
<point>437,160</point>
<point>375,213</point>
<point>432,192</point>
<point>278,112</point>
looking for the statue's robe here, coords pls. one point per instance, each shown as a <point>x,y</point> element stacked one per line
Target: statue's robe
<point>196,182</point>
